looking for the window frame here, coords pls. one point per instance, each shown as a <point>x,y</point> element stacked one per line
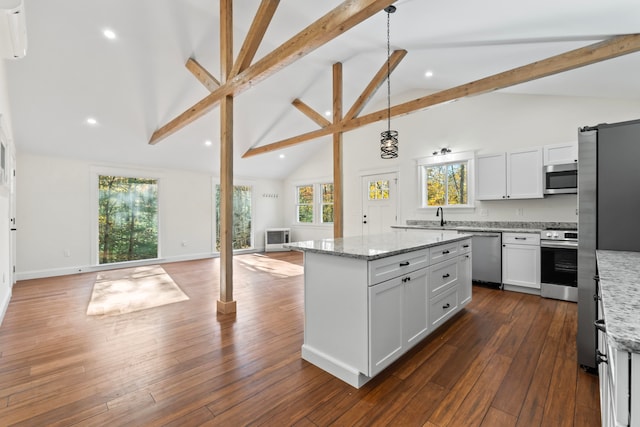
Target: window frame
<point>443,160</point>
<point>214,236</point>
<point>317,203</point>
<point>96,172</point>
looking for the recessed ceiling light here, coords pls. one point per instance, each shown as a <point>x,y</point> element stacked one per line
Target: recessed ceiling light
<point>208,143</point>
<point>282,156</point>
<point>428,73</point>
<point>110,34</point>
<point>92,121</point>
<point>327,113</point>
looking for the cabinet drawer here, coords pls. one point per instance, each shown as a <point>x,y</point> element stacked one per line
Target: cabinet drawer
<point>521,238</point>
<point>443,276</point>
<point>464,246</point>
<point>441,308</point>
<point>387,268</point>
<point>443,252</point>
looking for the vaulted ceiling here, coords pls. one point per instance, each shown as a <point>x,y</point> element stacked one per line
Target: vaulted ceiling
<point>138,82</point>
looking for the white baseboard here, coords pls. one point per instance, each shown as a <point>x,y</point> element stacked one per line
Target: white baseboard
<point>38,274</point>
<point>4,304</point>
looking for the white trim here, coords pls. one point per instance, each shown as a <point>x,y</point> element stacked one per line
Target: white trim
<point>239,182</point>
<point>38,274</point>
<point>465,156</point>
<point>94,172</point>
<point>4,305</point>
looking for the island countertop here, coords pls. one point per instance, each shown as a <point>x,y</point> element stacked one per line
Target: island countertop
<point>379,245</point>
<point>619,274</point>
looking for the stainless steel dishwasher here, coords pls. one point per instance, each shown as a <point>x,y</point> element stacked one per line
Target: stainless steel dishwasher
<point>487,256</point>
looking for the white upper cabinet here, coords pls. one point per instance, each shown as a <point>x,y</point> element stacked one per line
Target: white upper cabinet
<point>512,175</point>
<point>491,180</point>
<point>558,154</point>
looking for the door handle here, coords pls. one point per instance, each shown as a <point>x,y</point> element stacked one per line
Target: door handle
<point>364,222</point>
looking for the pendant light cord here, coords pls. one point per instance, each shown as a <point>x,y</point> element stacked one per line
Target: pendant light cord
<point>388,72</point>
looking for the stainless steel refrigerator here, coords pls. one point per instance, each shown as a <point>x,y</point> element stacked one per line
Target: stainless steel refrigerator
<point>609,206</point>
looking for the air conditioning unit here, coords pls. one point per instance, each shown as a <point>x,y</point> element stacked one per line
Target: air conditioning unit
<point>13,29</point>
<point>275,238</point>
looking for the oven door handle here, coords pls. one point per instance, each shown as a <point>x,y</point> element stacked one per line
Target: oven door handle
<point>561,245</point>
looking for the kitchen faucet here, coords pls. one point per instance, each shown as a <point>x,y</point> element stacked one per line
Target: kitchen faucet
<point>440,213</point>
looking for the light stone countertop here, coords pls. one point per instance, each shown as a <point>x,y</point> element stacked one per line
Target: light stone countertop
<point>619,273</point>
<point>470,228</point>
<point>379,245</point>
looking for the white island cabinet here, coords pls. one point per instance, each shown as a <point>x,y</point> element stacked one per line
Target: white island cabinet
<point>370,299</point>
<point>618,337</point>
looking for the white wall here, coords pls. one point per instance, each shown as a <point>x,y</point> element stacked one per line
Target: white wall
<point>6,267</point>
<point>56,209</point>
<point>487,123</point>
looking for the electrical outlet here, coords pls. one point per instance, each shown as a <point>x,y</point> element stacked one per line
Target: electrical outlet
<point>519,212</point>
<point>67,253</point>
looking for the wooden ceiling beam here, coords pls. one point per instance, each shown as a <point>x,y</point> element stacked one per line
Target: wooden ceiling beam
<point>375,83</point>
<point>345,16</point>
<point>254,37</point>
<point>210,82</point>
<point>602,51</point>
<point>311,113</point>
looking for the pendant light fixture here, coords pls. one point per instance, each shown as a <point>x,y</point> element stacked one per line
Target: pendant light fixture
<point>389,138</point>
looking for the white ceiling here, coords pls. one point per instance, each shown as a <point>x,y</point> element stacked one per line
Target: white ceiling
<point>138,82</point>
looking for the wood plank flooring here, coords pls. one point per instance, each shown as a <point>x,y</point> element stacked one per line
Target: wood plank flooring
<point>508,359</point>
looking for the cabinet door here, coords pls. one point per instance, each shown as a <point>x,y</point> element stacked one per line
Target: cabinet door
<point>464,278</point>
<point>416,319</point>
<point>559,154</point>
<point>521,265</point>
<point>524,174</point>
<point>386,311</point>
<point>491,177</point>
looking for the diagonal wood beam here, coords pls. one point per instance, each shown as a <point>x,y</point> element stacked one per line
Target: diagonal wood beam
<point>375,83</point>
<point>210,82</point>
<point>347,15</point>
<point>255,35</point>
<point>602,51</point>
<point>311,113</point>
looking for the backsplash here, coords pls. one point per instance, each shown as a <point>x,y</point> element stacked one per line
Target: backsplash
<point>497,224</point>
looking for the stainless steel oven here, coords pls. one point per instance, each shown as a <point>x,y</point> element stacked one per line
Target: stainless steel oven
<point>559,264</point>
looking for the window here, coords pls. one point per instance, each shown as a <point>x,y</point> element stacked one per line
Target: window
<point>379,190</point>
<point>305,203</point>
<point>242,232</point>
<point>327,202</point>
<point>127,219</point>
<point>446,180</point>
<point>314,203</point>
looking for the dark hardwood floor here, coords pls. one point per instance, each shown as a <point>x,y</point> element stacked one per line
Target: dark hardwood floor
<point>509,359</point>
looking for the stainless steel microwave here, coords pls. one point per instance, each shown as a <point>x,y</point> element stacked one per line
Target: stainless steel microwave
<point>561,179</point>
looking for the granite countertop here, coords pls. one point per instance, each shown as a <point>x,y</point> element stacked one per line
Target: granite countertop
<point>496,226</point>
<point>379,245</point>
<point>469,228</point>
<point>620,288</point>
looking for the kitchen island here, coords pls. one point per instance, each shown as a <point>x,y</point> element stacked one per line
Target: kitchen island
<point>370,299</point>
<point>618,343</point>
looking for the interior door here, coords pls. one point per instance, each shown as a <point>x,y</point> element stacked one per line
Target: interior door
<point>379,203</point>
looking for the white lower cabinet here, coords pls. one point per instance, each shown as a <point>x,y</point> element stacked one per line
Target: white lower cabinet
<point>398,318</point>
<point>521,260</point>
<point>360,315</point>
